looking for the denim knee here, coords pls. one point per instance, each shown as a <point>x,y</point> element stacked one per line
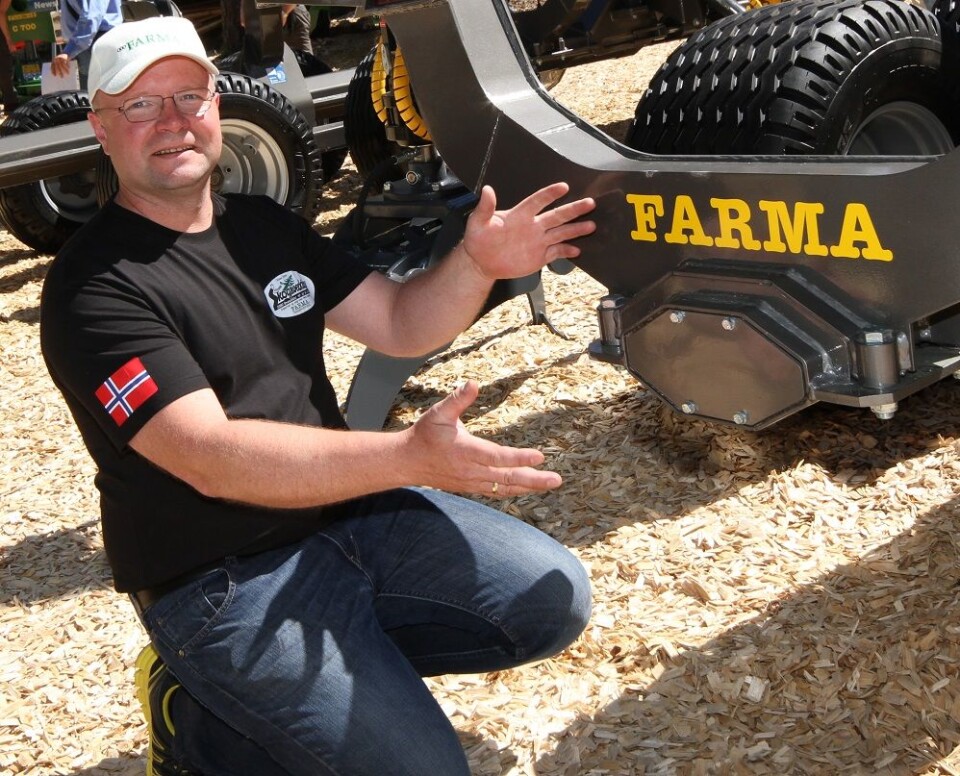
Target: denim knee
<point>561,602</point>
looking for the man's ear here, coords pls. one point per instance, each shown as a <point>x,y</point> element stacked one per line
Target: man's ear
<point>98,131</point>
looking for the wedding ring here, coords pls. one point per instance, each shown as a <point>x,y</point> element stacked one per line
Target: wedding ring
<point>493,488</point>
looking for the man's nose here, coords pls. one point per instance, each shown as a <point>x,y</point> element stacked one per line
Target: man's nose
<point>170,114</point>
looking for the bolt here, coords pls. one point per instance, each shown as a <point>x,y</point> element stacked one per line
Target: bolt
<point>387,186</point>
<point>677,316</point>
<point>689,407</point>
<point>741,417</point>
<point>885,411</point>
<point>925,333</point>
<point>728,324</point>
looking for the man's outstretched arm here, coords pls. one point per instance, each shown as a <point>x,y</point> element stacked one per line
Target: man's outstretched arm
<point>289,466</point>
<point>416,317</point>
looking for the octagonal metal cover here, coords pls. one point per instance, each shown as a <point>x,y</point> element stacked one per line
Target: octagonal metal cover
<point>716,366</point>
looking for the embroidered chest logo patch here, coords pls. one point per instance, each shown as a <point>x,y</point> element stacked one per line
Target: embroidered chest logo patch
<point>125,390</point>
<point>290,294</point>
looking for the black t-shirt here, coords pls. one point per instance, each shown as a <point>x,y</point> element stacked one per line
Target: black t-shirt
<point>135,316</point>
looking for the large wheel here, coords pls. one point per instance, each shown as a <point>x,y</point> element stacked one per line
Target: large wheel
<point>268,148</point>
<point>817,77</point>
<point>45,213</point>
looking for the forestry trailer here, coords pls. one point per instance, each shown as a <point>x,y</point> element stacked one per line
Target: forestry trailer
<point>773,231</point>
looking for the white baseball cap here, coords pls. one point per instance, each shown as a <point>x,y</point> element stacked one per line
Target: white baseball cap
<point>122,54</point>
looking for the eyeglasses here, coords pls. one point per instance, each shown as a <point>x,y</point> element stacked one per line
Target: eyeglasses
<point>148,107</point>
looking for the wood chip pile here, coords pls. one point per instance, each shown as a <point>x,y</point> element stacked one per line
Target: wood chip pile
<point>783,602</point>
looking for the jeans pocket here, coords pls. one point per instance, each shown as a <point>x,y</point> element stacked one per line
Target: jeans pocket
<point>216,590</point>
<point>185,617</point>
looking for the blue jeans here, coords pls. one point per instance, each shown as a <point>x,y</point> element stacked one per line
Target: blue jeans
<point>308,659</point>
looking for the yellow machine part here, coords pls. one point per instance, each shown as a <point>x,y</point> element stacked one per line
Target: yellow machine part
<point>378,82</point>
<point>386,76</point>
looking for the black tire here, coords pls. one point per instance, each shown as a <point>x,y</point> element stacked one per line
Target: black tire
<point>817,77</point>
<point>45,213</point>
<point>366,136</point>
<point>309,65</point>
<point>268,148</point>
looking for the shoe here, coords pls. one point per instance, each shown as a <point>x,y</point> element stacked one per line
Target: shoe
<point>155,689</point>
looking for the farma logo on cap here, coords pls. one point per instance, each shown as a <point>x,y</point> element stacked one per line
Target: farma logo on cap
<point>144,40</point>
<point>122,54</point>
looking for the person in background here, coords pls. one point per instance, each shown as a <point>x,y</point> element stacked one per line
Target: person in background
<point>81,23</point>
<point>296,27</point>
<point>297,579</point>
<point>8,89</point>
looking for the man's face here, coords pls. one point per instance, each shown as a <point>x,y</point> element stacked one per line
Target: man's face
<point>171,153</point>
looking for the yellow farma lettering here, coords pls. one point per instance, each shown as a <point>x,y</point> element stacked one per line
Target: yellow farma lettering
<point>858,228</point>
<point>686,219</point>
<point>793,227</point>
<point>734,215</point>
<point>646,208</point>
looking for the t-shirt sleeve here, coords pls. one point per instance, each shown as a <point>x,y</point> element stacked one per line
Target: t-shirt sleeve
<point>116,360</point>
<point>336,271</point>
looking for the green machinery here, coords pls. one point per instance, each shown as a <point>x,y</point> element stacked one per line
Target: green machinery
<point>32,27</point>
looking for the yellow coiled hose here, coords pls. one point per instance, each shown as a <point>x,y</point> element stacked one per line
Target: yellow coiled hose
<point>381,81</point>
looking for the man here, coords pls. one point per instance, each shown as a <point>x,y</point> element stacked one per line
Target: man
<point>81,23</point>
<point>291,576</point>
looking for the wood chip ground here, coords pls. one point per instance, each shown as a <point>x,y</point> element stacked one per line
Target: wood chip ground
<point>783,602</point>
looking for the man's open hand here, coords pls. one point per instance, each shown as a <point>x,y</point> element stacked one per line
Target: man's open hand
<point>520,241</point>
<point>455,460</point>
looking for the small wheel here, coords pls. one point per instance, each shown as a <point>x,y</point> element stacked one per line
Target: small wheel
<point>818,77</point>
<point>44,214</point>
<point>309,65</point>
<point>251,161</point>
<point>268,148</point>
<point>272,144</point>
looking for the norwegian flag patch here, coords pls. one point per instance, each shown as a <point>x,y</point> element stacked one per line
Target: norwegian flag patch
<point>125,390</point>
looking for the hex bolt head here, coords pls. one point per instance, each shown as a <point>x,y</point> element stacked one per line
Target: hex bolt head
<point>741,417</point>
<point>885,411</point>
<point>689,407</point>
<point>728,324</point>
<point>677,316</point>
